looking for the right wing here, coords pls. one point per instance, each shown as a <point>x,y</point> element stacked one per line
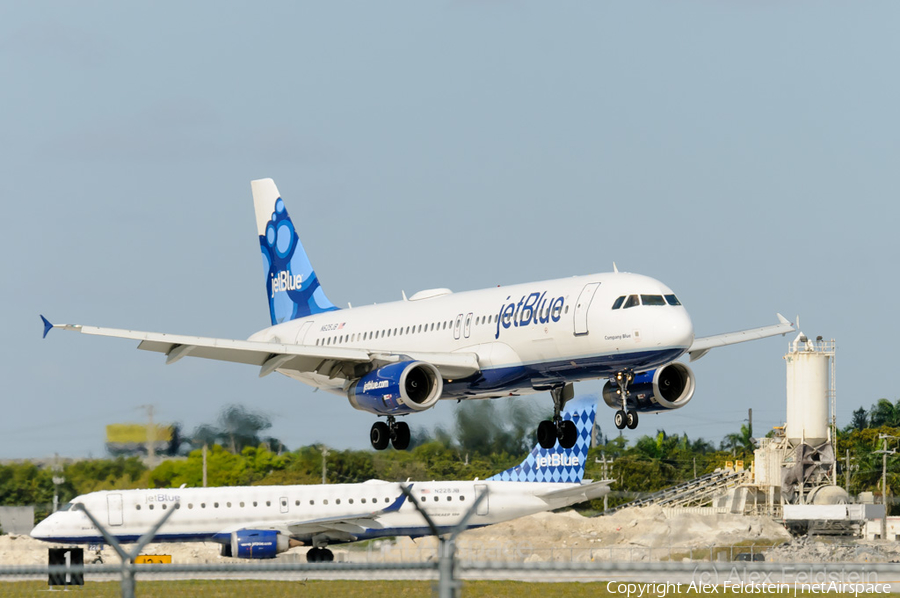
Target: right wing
<point>336,362</point>
<point>702,345</point>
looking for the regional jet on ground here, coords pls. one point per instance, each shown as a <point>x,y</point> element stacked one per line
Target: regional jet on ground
<point>400,358</point>
<point>261,521</point>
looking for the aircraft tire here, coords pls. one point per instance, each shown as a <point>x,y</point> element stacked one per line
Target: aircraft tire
<point>314,555</point>
<point>380,436</point>
<point>620,419</point>
<point>401,438</point>
<point>327,556</point>
<point>546,434</point>
<point>569,434</point>
<point>631,420</point>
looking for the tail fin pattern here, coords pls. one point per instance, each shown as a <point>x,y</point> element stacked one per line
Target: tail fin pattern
<point>292,286</point>
<point>558,464</point>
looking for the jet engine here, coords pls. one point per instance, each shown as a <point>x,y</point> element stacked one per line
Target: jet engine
<point>259,544</point>
<point>397,389</point>
<point>669,387</point>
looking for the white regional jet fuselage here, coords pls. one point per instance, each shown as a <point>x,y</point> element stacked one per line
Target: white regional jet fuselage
<point>399,358</point>
<point>260,521</point>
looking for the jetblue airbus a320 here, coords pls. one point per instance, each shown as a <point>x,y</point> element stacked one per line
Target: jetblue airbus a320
<point>400,358</point>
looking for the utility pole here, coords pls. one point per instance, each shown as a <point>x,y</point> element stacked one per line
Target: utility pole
<point>204,465</point>
<point>605,463</point>
<point>324,463</point>
<point>749,422</point>
<point>884,453</point>
<point>151,437</point>
<point>847,472</point>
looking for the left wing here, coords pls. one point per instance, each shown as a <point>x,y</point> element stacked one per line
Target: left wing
<point>329,361</point>
<point>701,346</point>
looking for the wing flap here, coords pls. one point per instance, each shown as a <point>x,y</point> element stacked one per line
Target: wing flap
<point>701,346</point>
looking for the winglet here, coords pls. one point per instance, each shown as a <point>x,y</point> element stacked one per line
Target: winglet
<point>782,319</point>
<point>47,325</point>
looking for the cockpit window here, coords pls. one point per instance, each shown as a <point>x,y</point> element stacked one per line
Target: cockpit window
<point>632,301</point>
<point>672,300</point>
<point>652,300</point>
<point>619,302</point>
<point>66,507</point>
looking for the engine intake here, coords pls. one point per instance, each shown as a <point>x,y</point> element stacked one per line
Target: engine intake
<point>398,389</point>
<point>669,387</point>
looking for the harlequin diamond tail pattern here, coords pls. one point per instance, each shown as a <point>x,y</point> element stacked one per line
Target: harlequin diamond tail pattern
<point>558,464</point>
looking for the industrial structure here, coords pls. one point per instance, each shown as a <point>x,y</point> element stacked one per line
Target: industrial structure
<point>794,474</point>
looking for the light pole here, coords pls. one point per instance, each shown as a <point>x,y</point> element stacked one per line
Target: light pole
<point>884,454</point>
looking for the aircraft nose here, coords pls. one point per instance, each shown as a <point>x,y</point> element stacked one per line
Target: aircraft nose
<point>43,530</point>
<point>681,329</point>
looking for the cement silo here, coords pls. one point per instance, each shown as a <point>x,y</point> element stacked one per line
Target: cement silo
<point>809,391</point>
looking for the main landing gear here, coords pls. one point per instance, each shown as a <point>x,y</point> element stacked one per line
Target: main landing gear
<point>391,432</point>
<point>623,416</point>
<point>549,431</point>
<point>319,555</point>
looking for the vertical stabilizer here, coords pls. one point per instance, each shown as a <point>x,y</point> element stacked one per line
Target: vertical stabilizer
<point>292,287</point>
<point>558,464</point>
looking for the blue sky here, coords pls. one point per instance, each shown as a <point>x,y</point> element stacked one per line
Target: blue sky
<point>743,153</point>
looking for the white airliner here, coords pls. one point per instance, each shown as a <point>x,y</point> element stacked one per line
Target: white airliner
<point>400,358</point>
<point>261,521</point>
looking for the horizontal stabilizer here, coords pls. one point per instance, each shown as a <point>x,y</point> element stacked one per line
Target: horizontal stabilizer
<point>584,492</point>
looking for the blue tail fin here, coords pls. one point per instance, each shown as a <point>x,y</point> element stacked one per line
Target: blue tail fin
<point>292,287</point>
<point>558,464</point>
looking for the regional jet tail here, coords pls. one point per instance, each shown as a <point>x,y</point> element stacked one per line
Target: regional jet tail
<point>400,358</point>
<point>262,521</point>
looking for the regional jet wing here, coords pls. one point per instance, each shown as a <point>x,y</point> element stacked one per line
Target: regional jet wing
<point>587,491</point>
<point>702,345</point>
<point>329,361</point>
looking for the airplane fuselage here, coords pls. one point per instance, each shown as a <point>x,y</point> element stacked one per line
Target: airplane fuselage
<point>527,337</point>
<point>211,514</point>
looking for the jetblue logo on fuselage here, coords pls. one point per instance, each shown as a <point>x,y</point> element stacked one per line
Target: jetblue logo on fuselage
<point>535,308</point>
<point>557,460</point>
<point>285,281</point>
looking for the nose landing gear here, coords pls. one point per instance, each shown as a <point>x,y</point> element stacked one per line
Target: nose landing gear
<point>623,416</point>
<point>565,431</point>
<point>391,432</point>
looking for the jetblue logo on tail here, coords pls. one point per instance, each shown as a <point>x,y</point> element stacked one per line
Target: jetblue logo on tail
<point>558,464</point>
<point>292,286</point>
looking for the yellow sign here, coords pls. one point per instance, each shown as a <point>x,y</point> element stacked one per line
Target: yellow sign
<point>153,559</point>
<point>137,433</point>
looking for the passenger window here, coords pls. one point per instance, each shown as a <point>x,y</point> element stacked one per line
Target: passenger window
<point>618,303</point>
<point>138,507</point>
<point>337,501</point>
<point>632,301</point>
<point>164,506</point>
<point>151,507</point>
<point>652,300</point>
<point>672,300</point>
<point>255,503</point>
<point>351,501</point>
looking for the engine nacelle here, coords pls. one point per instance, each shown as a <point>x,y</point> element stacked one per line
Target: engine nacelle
<point>669,387</point>
<point>397,389</point>
<point>258,544</point>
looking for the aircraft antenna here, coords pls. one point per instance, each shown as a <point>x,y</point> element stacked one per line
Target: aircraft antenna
<point>615,269</point>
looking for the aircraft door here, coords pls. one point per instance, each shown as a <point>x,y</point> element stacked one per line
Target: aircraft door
<point>468,325</point>
<point>484,507</point>
<point>114,507</point>
<point>457,327</point>
<point>301,334</point>
<point>581,307</point>
<point>284,504</point>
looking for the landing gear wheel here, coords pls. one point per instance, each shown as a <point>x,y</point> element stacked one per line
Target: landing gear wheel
<point>568,434</point>
<point>631,420</point>
<point>400,438</point>
<point>314,555</point>
<point>546,433</point>
<point>620,419</point>
<point>380,436</point>
<point>327,555</point>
